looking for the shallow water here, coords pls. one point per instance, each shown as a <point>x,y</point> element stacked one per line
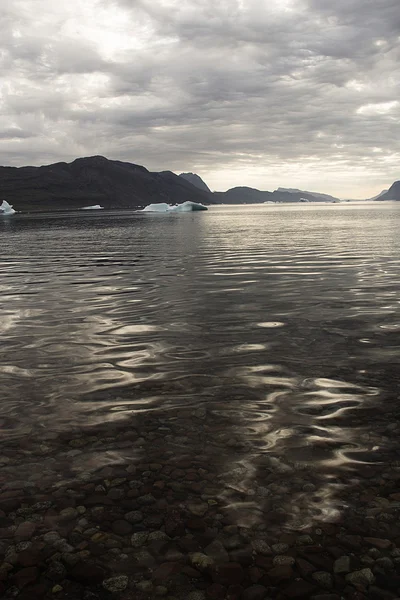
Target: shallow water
<point>279,322</point>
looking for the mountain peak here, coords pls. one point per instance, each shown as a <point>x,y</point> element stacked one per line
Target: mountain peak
<point>195,180</point>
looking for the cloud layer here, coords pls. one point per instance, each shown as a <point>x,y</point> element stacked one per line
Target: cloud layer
<point>292,93</point>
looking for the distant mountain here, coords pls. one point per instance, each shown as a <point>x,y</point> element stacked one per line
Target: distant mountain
<point>242,195</point>
<point>93,180</point>
<point>195,180</point>
<point>378,195</point>
<point>248,195</point>
<point>309,195</point>
<point>393,193</point>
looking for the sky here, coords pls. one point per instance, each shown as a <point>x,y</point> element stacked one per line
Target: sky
<point>290,93</point>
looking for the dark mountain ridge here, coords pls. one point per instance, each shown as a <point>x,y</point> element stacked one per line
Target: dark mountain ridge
<point>93,180</point>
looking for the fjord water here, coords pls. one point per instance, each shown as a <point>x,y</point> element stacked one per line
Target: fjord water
<point>269,333</point>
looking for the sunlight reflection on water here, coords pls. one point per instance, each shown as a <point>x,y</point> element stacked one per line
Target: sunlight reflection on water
<point>280,336</point>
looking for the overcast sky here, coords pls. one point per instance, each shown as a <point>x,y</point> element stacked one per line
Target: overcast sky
<point>292,93</point>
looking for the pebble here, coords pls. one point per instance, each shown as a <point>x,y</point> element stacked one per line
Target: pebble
<point>56,589</point>
<point>386,563</point>
<point>261,547</point>
<point>323,579</point>
<point>279,548</point>
<point>217,552</point>
<point>364,577</point>
<point>134,516</point>
<point>121,527</point>
<point>145,586</point>
<point>201,561</point>
<point>342,565</point>
<point>68,514</point>
<point>25,531</point>
<point>196,595</point>
<point>116,584</point>
<point>282,560</point>
<point>254,592</point>
<point>139,539</point>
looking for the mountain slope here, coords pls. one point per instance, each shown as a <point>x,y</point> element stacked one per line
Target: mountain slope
<point>93,180</point>
<point>393,193</point>
<point>305,194</point>
<point>195,180</point>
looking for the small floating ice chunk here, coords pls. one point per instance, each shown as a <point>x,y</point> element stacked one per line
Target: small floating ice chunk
<point>6,209</point>
<point>94,207</point>
<point>163,207</point>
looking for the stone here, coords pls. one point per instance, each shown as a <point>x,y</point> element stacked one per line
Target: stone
<point>87,573</point>
<point>299,589</point>
<point>56,589</point>
<point>196,595</point>
<point>121,527</point>
<point>217,552</point>
<point>115,494</point>
<point>160,590</point>
<point>134,516</point>
<point>279,548</point>
<point>386,563</point>
<point>199,510</point>
<point>279,574</point>
<point>261,547</point>
<point>139,539</point>
<point>306,569</point>
<point>147,499</point>
<point>29,558</point>
<point>166,571</point>
<point>63,546</point>
<point>116,584</point>
<point>25,531</point>
<point>255,592</point>
<point>68,514</point>
<point>145,586</point>
<point>228,574</point>
<point>282,560</point>
<point>24,577</point>
<point>244,556</point>
<point>323,579</point>
<point>326,597</point>
<point>304,540</point>
<point>342,565</point>
<point>196,523</point>
<point>158,536</point>
<point>233,542</point>
<point>51,536</point>
<point>56,571</point>
<point>201,561</point>
<point>378,543</point>
<point>365,577</point>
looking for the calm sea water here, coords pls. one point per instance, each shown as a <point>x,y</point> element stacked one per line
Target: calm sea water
<point>284,319</point>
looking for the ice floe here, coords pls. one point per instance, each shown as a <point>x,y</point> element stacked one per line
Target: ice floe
<point>6,209</point>
<point>163,207</point>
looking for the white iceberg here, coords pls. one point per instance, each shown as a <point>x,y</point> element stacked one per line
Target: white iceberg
<point>94,207</point>
<point>6,209</point>
<point>163,207</point>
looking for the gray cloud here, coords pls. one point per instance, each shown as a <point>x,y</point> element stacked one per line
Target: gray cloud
<point>292,93</point>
